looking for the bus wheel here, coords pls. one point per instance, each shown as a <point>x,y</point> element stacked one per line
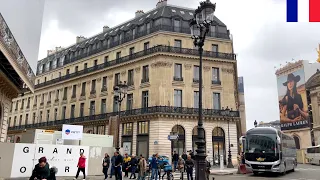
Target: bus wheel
<point>255,173</point>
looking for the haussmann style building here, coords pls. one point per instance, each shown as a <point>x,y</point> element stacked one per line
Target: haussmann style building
<point>155,55</point>
<point>16,76</point>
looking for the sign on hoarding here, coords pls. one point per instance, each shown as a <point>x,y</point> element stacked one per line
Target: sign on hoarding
<point>293,104</point>
<point>72,132</point>
<point>63,157</point>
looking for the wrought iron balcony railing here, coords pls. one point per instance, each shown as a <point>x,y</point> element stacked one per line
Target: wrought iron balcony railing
<point>153,50</point>
<point>132,112</point>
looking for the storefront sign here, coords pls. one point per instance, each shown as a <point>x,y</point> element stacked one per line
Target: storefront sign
<point>72,132</point>
<point>63,157</point>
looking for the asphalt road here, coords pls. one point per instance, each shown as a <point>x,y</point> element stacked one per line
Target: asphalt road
<point>302,172</point>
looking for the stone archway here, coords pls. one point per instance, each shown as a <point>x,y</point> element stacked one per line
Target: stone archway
<point>296,141</point>
<point>179,144</point>
<point>218,145</point>
<point>194,138</point>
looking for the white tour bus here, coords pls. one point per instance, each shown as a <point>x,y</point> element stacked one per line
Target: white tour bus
<point>313,155</point>
<point>269,150</point>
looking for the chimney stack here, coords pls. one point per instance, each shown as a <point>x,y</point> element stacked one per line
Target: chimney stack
<point>161,3</point>
<point>80,39</point>
<point>58,48</point>
<point>105,28</point>
<point>139,13</point>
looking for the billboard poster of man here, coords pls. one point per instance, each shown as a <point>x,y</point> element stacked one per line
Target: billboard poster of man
<point>293,101</point>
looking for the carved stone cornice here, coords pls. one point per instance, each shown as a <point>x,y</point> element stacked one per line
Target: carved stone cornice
<point>227,70</point>
<point>161,64</point>
<point>110,76</point>
<point>137,69</point>
<point>206,68</point>
<point>123,73</point>
<point>187,66</point>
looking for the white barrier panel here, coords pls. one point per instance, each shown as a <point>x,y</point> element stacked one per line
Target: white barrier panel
<point>63,157</point>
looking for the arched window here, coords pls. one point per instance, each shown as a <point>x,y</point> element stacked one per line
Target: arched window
<point>178,145</point>
<point>218,145</point>
<point>297,141</point>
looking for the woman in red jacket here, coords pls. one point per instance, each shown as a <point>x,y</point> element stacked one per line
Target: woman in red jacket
<point>81,166</point>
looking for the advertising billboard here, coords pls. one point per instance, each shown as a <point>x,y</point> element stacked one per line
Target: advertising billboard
<point>72,132</point>
<point>293,104</point>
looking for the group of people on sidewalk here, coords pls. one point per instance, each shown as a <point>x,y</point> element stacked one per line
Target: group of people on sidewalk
<point>184,163</point>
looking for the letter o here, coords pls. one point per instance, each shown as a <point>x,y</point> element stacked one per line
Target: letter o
<point>23,169</point>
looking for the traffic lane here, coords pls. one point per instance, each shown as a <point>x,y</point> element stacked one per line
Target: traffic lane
<point>303,172</point>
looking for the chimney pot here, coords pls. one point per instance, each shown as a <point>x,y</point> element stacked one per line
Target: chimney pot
<point>105,28</point>
<point>161,3</point>
<point>139,13</point>
<point>80,39</point>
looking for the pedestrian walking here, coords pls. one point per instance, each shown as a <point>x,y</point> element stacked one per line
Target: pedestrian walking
<point>113,159</point>
<point>189,167</point>
<point>117,166</point>
<point>125,165</point>
<point>184,157</point>
<point>175,159</point>
<point>142,168</point>
<point>181,166</point>
<point>133,165</point>
<point>81,166</point>
<point>154,166</point>
<point>105,165</point>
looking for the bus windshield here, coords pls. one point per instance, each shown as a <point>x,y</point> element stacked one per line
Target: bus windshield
<point>261,143</point>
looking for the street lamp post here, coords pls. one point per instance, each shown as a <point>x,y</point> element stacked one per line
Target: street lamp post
<point>120,92</point>
<point>200,26</point>
<point>228,113</point>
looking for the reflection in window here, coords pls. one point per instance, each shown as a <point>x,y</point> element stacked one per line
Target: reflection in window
<point>143,127</point>
<point>127,129</point>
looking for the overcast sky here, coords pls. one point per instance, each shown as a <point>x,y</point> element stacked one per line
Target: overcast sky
<point>262,38</point>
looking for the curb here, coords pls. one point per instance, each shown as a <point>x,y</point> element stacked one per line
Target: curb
<point>223,172</point>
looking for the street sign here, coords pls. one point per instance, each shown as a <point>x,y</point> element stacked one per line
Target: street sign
<point>173,137</point>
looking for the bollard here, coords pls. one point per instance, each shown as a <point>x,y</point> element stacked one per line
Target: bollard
<point>221,162</point>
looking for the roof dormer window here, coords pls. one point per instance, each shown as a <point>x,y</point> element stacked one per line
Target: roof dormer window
<point>173,10</point>
<point>182,12</point>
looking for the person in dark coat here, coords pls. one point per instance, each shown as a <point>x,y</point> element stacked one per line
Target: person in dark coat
<point>184,157</point>
<point>105,165</point>
<point>117,167</point>
<point>133,165</point>
<point>175,159</point>
<point>41,170</point>
<point>189,167</point>
<point>113,159</point>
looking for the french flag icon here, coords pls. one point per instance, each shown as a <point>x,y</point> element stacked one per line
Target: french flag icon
<point>297,10</point>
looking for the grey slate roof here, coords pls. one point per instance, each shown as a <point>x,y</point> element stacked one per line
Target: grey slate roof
<point>167,11</point>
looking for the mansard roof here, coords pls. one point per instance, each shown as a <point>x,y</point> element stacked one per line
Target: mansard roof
<point>167,11</point>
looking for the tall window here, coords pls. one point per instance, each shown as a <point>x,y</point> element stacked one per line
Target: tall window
<point>74,91</point>
<point>92,107</point>
<point>83,89</point>
<point>103,106</point>
<point>177,98</point>
<point>95,62</point>
<point>15,121</point>
<point>106,58</point>
<point>42,98</point>
<point>215,75</point>
<point>145,74</point>
<point>129,101</point>
<point>178,72</point>
<point>93,86</point>
<point>118,55</point>
<point>65,93</point>
<point>104,84</point>
<point>28,103</point>
<point>16,106</point>
<point>145,99</point>
<point>85,65</point>
<point>216,101</point>
<point>34,102</point>
<point>196,99</point>
<point>49,97</point>
<point>63,114</point>
<point>40,117</point>
<point>73,107</point>
<point>146,45</point>
<point>34,118</point>
<point>57,94</point>
<point>177,43</point>
<point>196,73</point>
<point>48,115</point>
<point>27,119</point>
<point>115,104</point>
<point>55,114</point>
<point>22,104</point>
<point>117,79</point>
<point>81,110</point>
<point>215,48</point>
<point>76,69</point>
<point>143,127</point>
<point>67,71</point>
<point>130,77</point>
<point>177,25</point>
<point>131,51</point>
<point>127,129</point>
<point>20,120</point>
